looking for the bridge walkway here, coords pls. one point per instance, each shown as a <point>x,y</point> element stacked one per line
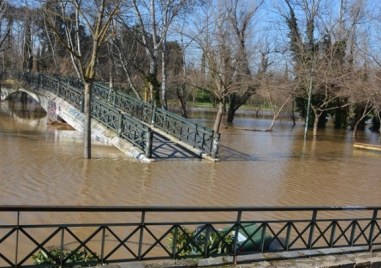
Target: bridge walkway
<point>163,148</point>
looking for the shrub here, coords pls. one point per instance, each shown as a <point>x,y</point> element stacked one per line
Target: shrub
<point>75,259</point>
<point>189,243</point>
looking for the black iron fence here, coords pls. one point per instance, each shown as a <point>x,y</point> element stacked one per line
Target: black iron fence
<point>30,235</point>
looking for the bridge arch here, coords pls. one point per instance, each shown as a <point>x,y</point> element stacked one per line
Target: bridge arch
<point>42,99</point>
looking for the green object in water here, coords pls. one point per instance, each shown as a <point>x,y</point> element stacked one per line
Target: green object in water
<point>251,238</point>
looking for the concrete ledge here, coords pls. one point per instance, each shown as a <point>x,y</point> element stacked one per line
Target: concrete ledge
<point>329,259</point>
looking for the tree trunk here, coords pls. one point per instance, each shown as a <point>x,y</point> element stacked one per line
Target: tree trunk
<point>355,130</point>
<point>52,47</point>
<point>163,97</point>
<point>183,102</point>
<point>316,124</point>
<point>154,85</point>
<point>87,122</point>
<point>154,90</point>
<point>27,47</point>
<point>364,114</point>
<point>232,109</point>
<point>292,113</point>
<point>111,75</point>
<point>277,113</point>
<point>218,120</point>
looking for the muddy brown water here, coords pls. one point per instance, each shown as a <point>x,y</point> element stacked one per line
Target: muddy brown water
<point>43,164</point>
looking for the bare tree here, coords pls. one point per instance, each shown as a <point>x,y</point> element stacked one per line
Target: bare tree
<point>321,58</point>
<point>5,27</point>
<point>278,92</point>
<point>365,96</point>
<point>127,51</point>
<point>153,30</point>
<point>93,17</point>
<point>225,68</point>
<point>240,17</point>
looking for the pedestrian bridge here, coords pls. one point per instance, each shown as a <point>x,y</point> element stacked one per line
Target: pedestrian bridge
<point>137,128</point>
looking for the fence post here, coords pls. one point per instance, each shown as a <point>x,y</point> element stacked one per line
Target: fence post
<point>264,225</point>
<point>141,235</point>
<point>195,135</point>
<point>203,138</point>
<point>288,233</point>
<point>153,117</point>
<point>175,241</point>
<point>371,232</point>
<point>149,140</point>
<point>62,246</point>
<point>82,103</point>
<point>215,144</point>
<point>353,232</point>
<point>312,228</point>
<point>333,234</point>
<point>59,88</point>
<point>120,121</point>
<point>103,244</point>
<point>206,242</point>
<point>237,226</point>
<point>17,238</point>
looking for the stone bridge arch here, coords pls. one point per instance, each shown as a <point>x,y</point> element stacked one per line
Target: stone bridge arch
<point>46,103</point>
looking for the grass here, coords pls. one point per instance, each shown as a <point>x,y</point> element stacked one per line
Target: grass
<point>244,107</point>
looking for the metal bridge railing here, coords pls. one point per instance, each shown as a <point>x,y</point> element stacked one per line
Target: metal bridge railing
<point>184,130</point>
<point>111,117</point>
<point>124,234</point>
<point>126,126</point>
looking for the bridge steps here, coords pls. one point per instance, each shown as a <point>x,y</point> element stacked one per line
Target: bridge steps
<point>164,148</point>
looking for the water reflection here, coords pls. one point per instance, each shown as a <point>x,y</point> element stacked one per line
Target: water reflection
<point>40,164</point>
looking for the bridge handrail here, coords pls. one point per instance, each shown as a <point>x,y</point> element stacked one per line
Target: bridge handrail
<point>183,129</point>
<point>58,208</point>
<point>148,233</point>
<point>126,126</point>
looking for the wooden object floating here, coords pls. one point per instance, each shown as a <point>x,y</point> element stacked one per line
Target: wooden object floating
<point>366,146</point>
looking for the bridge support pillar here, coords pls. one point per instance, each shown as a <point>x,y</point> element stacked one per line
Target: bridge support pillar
<point>52,112</point>
<point>215,146</point>
<point>148,149</point>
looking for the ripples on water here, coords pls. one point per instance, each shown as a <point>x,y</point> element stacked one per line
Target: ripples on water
<point>41,165</point>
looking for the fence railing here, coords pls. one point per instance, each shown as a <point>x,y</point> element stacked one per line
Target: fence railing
<point>136,132</point>
<point>124,234</point>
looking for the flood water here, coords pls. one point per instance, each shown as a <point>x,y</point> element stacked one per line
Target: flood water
<point>42,164</point>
